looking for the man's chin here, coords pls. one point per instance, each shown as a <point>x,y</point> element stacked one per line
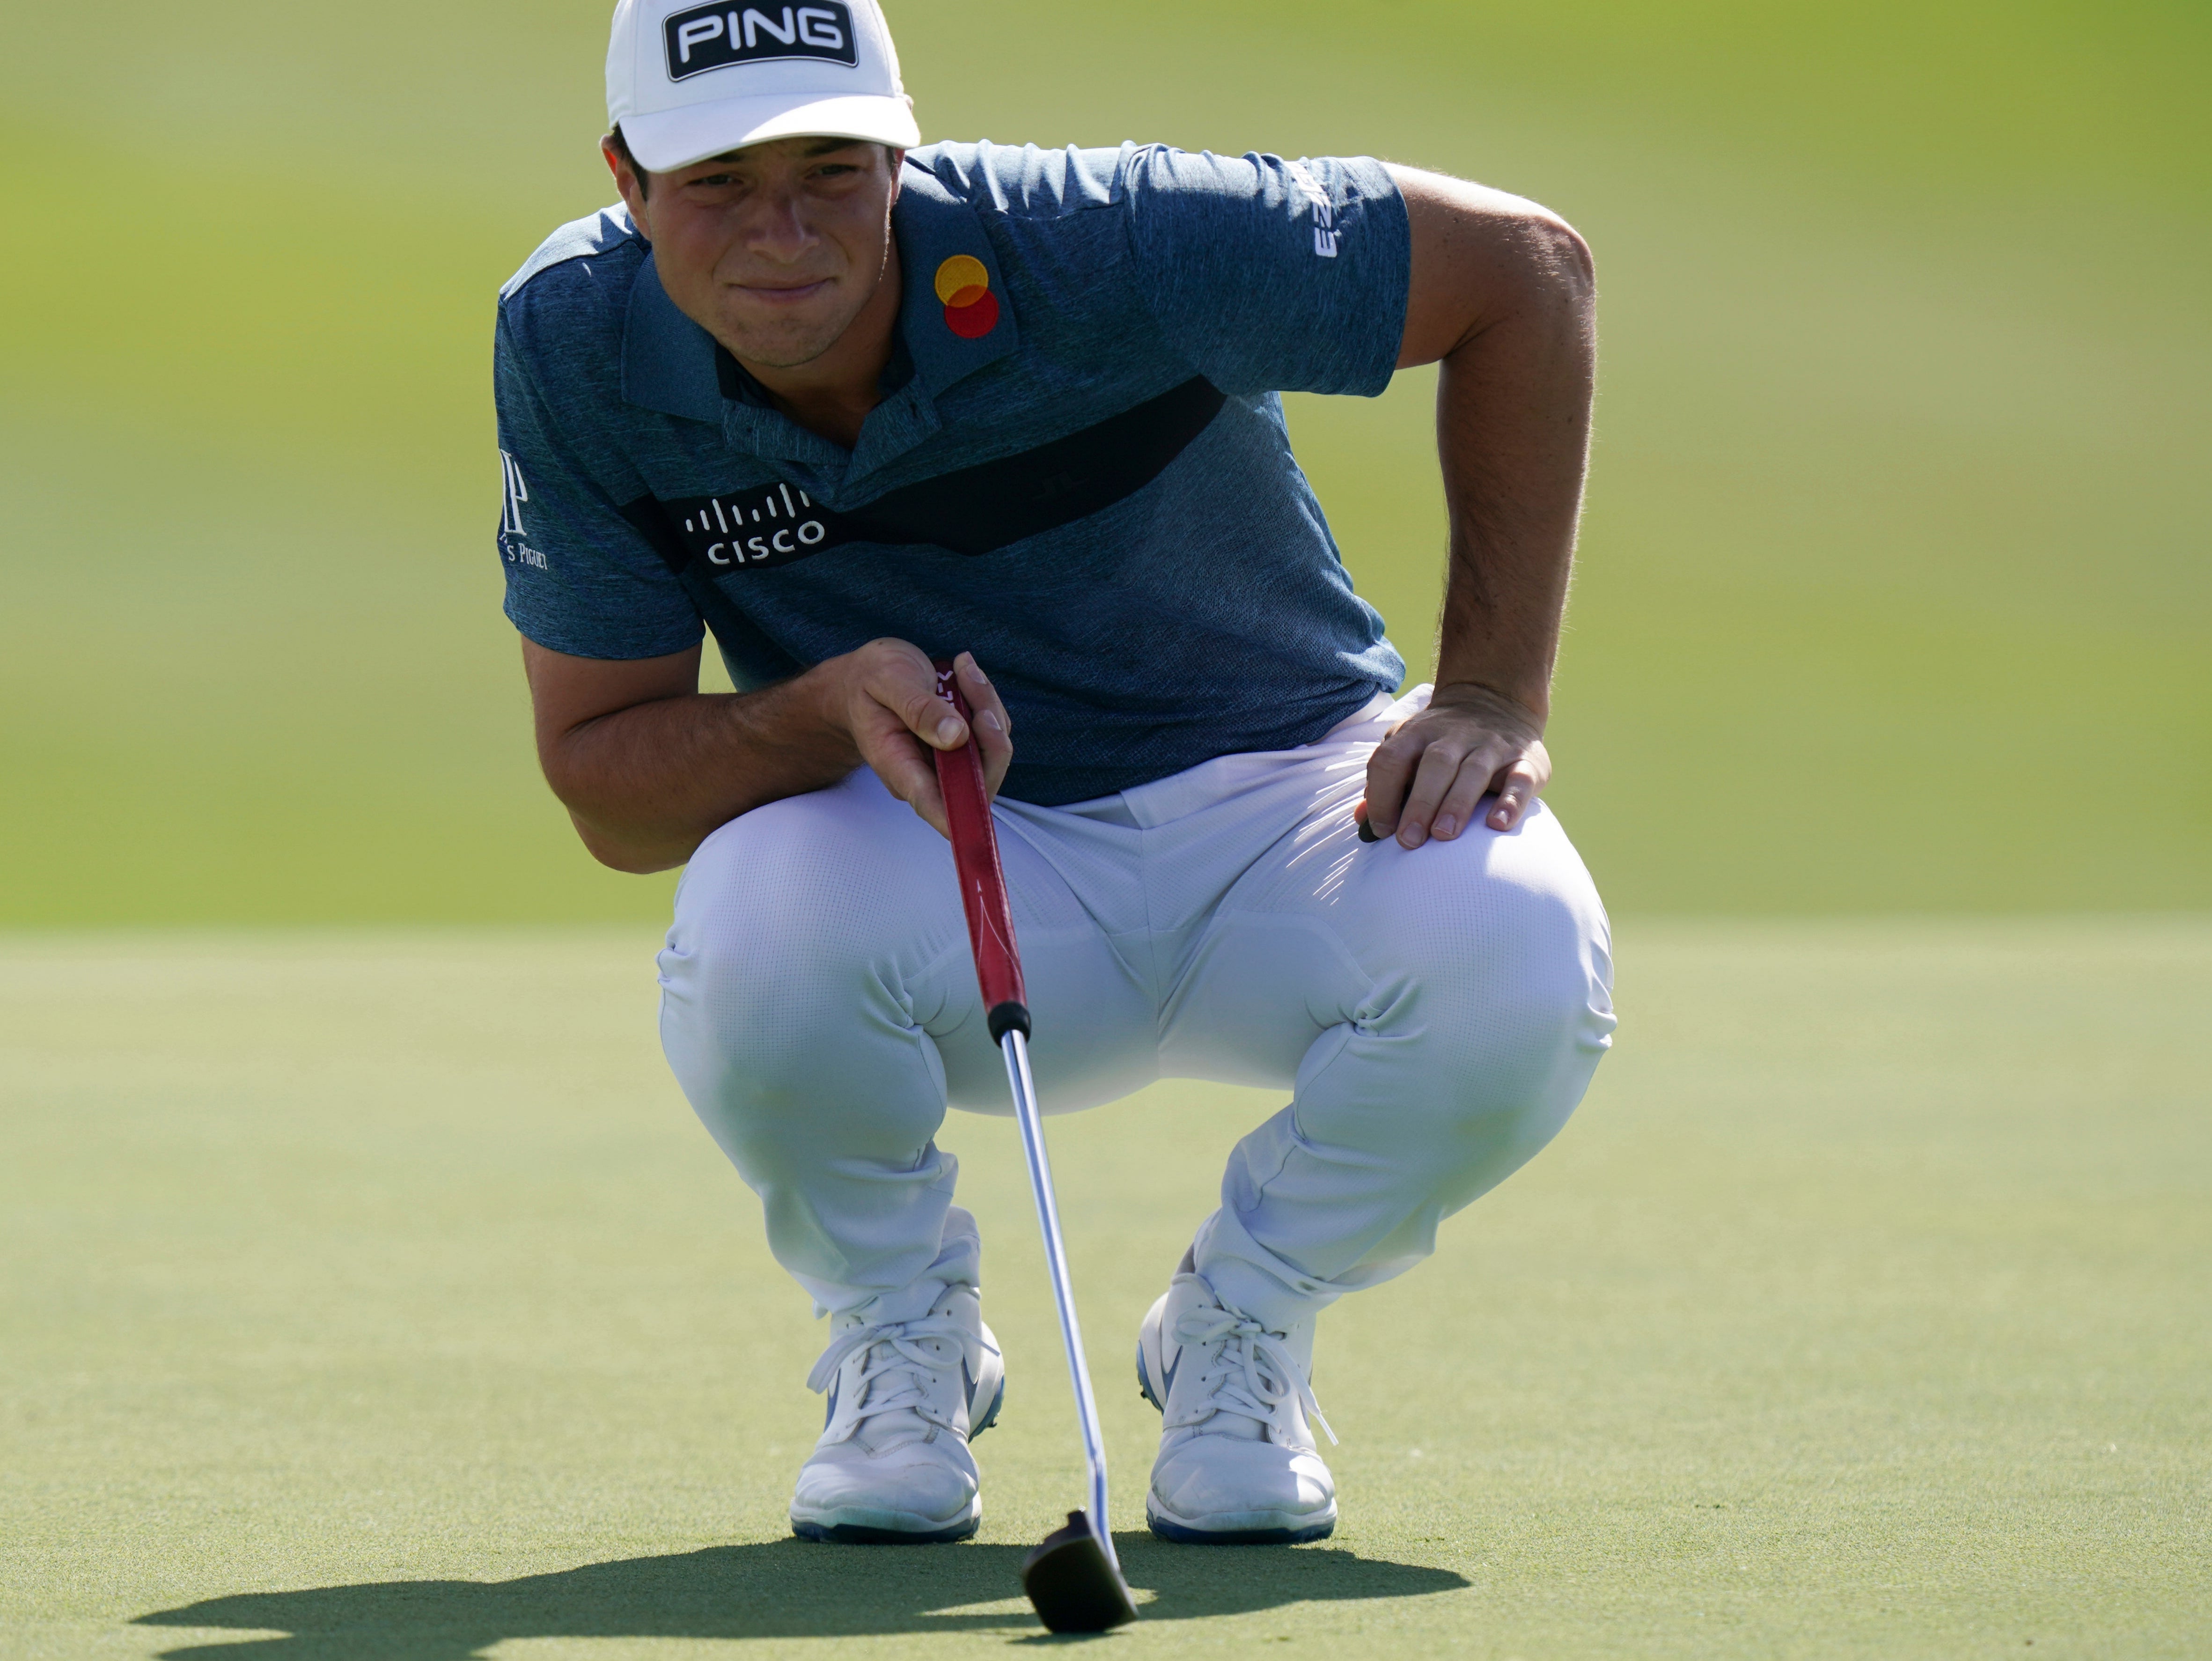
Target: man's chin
<point>791,345</point>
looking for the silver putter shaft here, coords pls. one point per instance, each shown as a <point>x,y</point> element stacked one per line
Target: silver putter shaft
<point>1017,1051</point>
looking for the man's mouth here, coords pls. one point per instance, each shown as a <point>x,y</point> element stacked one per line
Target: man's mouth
<point>781,294</point>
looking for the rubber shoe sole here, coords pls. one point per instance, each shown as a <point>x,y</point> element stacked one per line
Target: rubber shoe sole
<point>991,1414</point>
<point>1145,1381</point>
<point>853,1534</point>
<point>1182,1534</point>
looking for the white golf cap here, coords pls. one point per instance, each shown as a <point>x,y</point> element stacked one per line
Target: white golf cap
<point>686,81</point>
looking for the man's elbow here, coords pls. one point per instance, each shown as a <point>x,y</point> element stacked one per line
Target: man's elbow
<point>627,855</point>
<point>1559,263</point>
<point>1483,257</point>
<point>1537,281</point>
<point>616,847</point>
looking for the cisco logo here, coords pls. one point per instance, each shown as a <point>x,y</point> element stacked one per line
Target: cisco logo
<point>781,529</point>
<point>714,37</point>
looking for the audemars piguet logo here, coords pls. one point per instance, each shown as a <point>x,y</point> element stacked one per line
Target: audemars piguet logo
<point>510,520</point>
<point>713,37</point>
<point>513,534</point>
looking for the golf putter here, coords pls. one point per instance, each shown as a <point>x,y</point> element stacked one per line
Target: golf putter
<point>1074,1578</point>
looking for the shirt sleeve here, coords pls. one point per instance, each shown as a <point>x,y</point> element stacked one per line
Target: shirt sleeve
<point>581,579</point>
<point>1268,274</point>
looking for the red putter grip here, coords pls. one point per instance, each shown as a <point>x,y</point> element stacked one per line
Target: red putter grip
<point>982,879</point>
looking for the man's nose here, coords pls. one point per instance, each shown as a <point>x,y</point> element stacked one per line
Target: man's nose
<point>778,230</point>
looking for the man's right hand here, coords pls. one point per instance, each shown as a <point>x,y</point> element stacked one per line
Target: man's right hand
<point>885,697</point>
<point>648,766</point>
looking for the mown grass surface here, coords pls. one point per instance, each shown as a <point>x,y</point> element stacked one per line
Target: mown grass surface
<point>1894,592</point>
<point>378,1297</point>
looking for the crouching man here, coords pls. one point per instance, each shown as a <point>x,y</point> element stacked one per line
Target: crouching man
<point>847,403</point>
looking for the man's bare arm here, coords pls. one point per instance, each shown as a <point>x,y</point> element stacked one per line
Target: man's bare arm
<point>648,766</point>
<point>1504,295</point>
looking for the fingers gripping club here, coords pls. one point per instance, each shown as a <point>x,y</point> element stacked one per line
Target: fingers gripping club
<point>982,879</point>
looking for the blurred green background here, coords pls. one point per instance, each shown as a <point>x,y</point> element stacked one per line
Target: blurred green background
<point>1893,595</point>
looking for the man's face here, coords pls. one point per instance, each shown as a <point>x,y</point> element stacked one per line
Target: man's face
<point>773,249</point>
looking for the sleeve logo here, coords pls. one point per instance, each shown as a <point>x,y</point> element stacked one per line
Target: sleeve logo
<point>714,37</point>
<point>510,519</point>
<point>1325,233</point>
<point>511,536</point>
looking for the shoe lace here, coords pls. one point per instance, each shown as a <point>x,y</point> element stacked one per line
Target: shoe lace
<point>1252,1371</point>
<point>897,1361</point>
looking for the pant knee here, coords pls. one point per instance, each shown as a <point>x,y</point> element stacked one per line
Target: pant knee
<point>1567,968</point>
<point>1503,989</point>
<point>790,979</point>
<point>1542,1001</point>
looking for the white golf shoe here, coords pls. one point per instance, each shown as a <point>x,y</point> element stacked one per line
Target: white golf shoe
<point>1237,1464</point>
<point>911,1378</point>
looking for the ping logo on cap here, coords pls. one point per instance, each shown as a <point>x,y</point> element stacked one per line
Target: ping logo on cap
<point>971,310</point>
<point>713,37</point>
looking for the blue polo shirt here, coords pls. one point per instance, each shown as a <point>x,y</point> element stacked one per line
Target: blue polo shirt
<point>1080,470</point>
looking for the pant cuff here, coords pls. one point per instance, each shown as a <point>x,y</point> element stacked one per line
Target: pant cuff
<point>1247,1276</point>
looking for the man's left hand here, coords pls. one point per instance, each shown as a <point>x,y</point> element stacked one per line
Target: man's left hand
<point>1429,777</point>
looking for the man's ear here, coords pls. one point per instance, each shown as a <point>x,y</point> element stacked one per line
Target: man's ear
<point>626,179</point>
<point>898,167</point>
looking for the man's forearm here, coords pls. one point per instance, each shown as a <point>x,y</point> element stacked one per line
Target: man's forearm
<point>1501,296</point>
<point>1513,405</point>
<point>649,768</point>
<point>648,784</point>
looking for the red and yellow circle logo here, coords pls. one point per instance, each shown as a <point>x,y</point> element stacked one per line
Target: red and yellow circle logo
<point>971,310</point>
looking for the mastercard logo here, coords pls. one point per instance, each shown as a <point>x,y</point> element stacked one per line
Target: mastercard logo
<point>971,310</point>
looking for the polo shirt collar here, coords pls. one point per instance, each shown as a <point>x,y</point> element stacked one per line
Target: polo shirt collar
<point>669,362</point>
<point>934,227</point>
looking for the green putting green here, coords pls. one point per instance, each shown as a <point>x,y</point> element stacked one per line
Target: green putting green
<point>378,1297</point>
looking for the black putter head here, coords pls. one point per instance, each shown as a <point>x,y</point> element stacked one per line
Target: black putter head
<point>1073,1582</point>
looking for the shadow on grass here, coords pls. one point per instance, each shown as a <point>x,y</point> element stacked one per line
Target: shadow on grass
<point>783,1589</point>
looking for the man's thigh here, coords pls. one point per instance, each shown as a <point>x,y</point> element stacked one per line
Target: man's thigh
<point>1475,944</point>
<point>832,921</point>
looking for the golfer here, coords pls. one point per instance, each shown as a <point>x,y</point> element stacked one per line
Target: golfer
<point>848,403</point>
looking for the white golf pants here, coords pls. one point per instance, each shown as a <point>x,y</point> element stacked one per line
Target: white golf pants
<point>1436,1014</point>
